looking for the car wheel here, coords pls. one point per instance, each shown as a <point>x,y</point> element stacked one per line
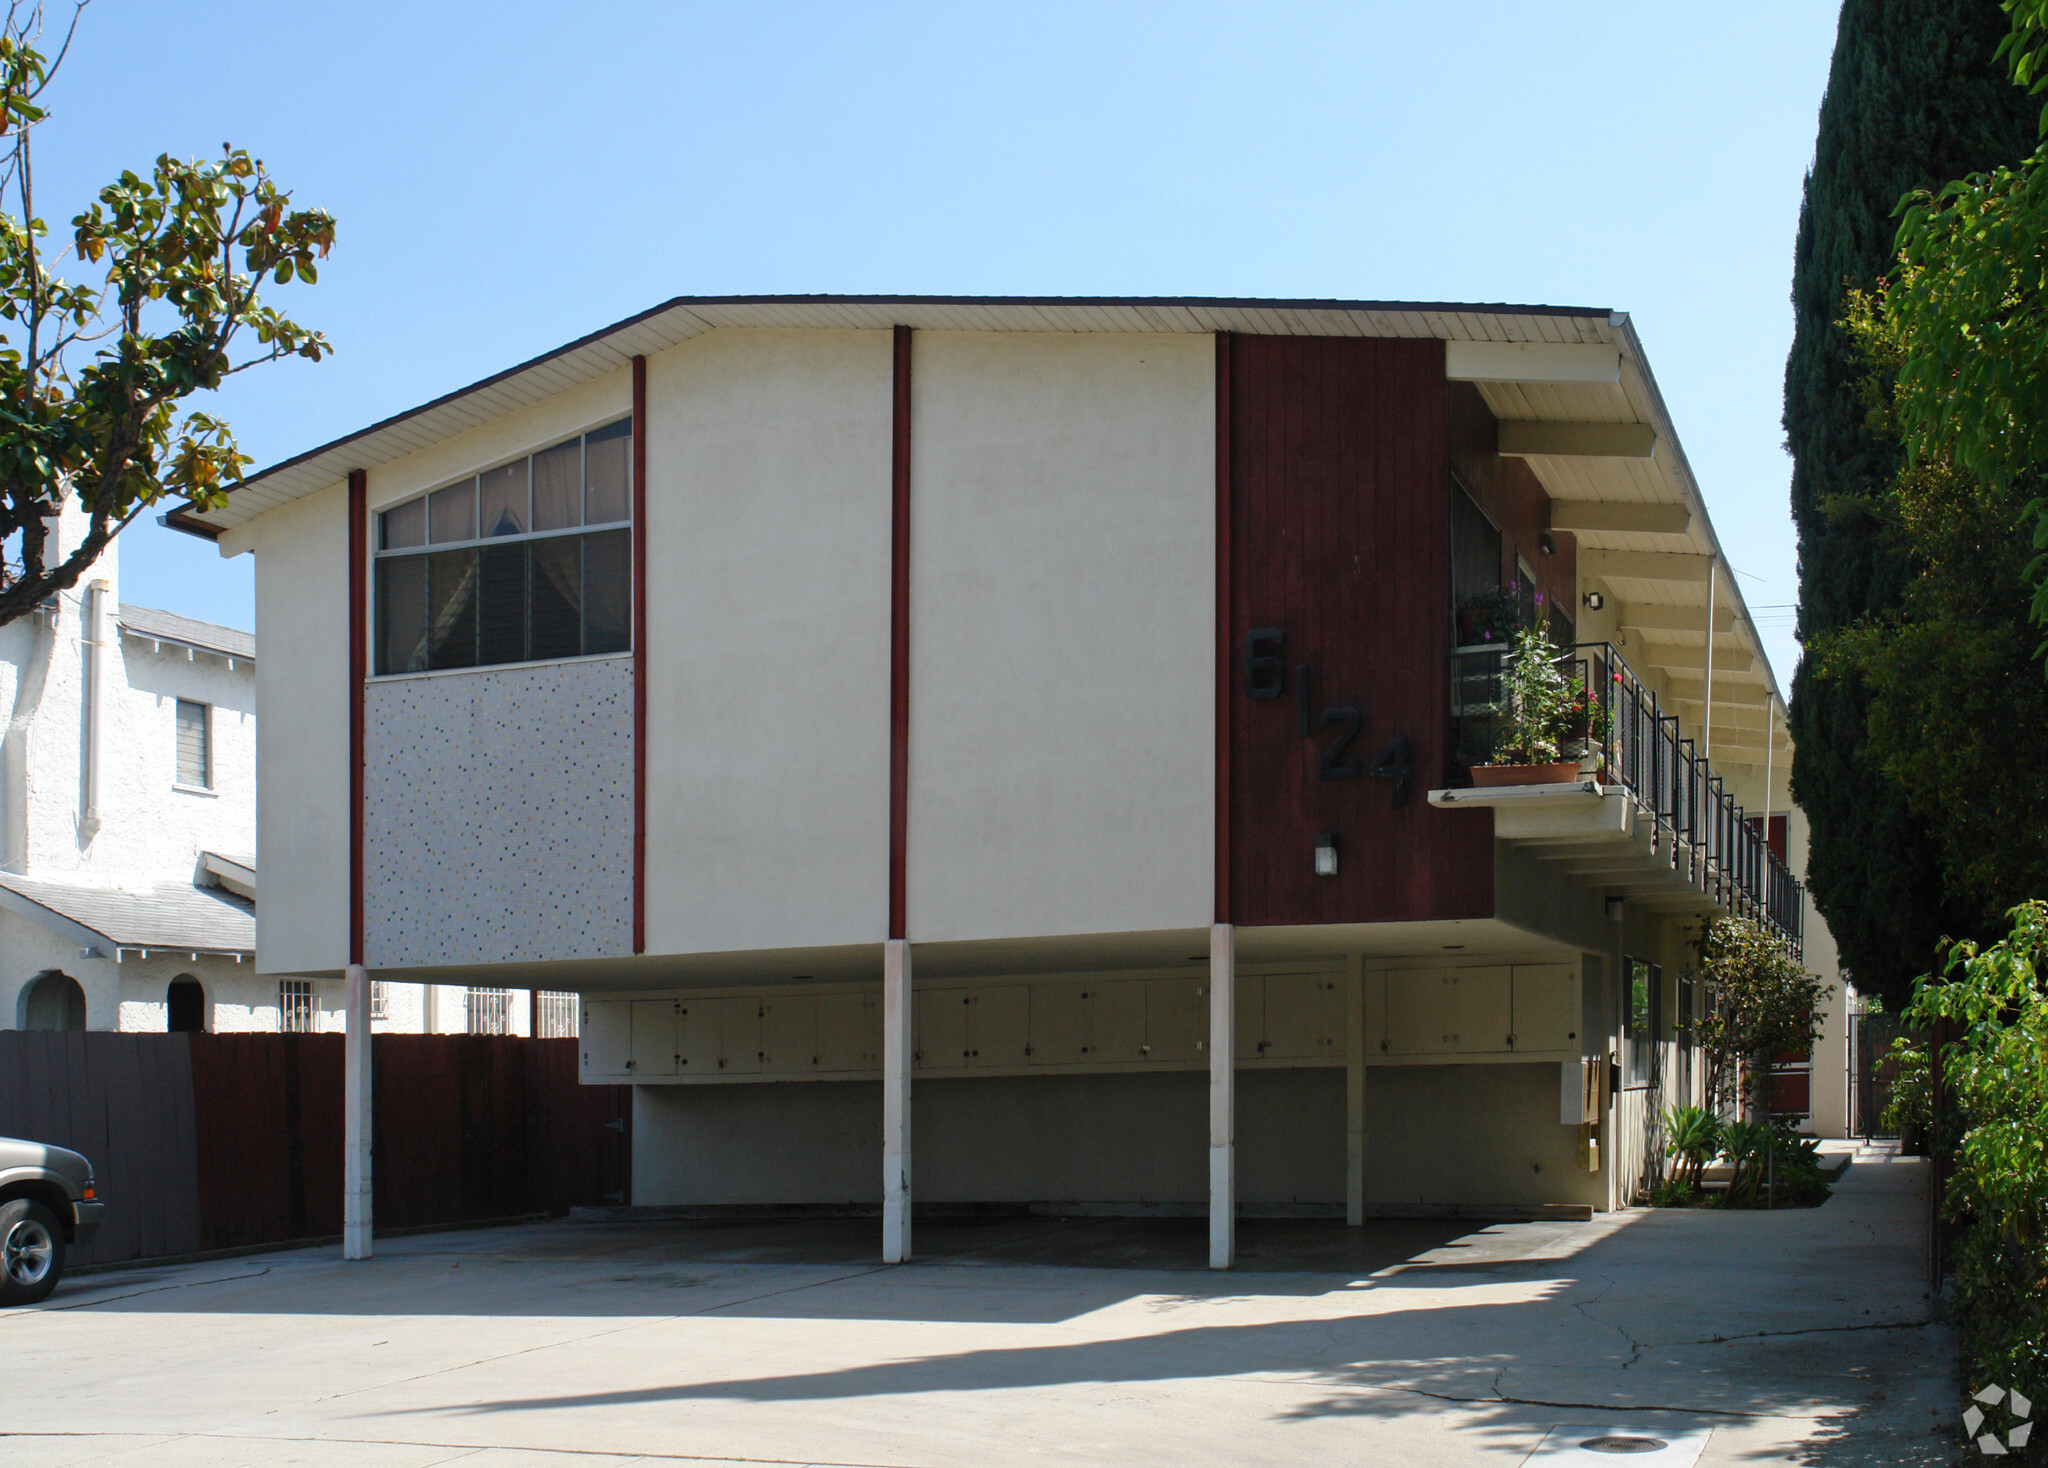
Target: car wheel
<point>31,1251</point>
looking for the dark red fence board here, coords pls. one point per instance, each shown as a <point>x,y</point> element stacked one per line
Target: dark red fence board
<point>125,1101</point>
<point>223,1141</point>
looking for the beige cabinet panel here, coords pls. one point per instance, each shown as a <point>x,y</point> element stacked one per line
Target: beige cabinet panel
<point>789,1034</point>
<point>1250,1011</point>
<point>1421,1007</point>
<point>941,1030</point>
<point>1060,1033</point>
<point>999,1026</point>
<point>1117,1021</point>
<point>720,1037</point>
<point>656,1051</point>
<point>1546,1006</point>
<point>849,1032</point>
<point>1484,1010</point>
<point>1304,1017</point>
<point>606,1037</point>
<point>696,1037</point>
<point>1176,1019</point>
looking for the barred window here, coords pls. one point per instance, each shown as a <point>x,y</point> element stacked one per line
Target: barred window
<point>295,1009</point>
<point>557,1016</point>
<point>195,744</point>
<point>489,1011</point>
<point>526,562</point>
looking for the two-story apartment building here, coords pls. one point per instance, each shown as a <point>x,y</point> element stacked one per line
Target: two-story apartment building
<point>1038,728</point>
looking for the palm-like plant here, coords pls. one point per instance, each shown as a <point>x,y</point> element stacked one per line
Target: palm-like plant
<point>1695,1136</point>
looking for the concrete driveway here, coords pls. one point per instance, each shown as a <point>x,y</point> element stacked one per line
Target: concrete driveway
<point>1799,1335</point>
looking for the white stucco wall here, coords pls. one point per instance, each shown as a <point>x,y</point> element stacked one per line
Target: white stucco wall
<point>1062,634</point>
<point>302,744</point>
<point>768,665</point>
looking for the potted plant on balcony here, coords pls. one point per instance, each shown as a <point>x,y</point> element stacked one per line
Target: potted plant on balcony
<point>1487,618</point>
<point>1541,718</point>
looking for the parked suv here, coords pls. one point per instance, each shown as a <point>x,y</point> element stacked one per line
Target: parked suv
<point>47,1204</point>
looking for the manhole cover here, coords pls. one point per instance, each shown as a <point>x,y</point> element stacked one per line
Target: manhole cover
<point>1624,1445</point>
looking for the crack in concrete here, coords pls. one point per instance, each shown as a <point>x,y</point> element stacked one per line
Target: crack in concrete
<point>1584,1307</point>
<point>1499,1398</point>
<point>1755,1335</point>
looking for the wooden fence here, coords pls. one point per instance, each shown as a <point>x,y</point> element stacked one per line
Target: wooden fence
<point>221,1141</point>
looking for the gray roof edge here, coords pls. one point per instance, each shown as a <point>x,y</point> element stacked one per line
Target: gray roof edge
<point>175,627</point>
<point>52,919</point>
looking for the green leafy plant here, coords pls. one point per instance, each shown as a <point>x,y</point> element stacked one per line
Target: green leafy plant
<point>1909,1099</point>
<point>1541,703</point>
<point>1493,615</point>
<point>1694,1137</point>
<point>1994,1002</point>
<point>1760,1003</point>
<point>1773,1166</point>
<point>93,376</point>
<point>1672,1192</point>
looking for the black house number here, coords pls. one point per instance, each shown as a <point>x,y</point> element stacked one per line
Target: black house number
<point>1265,680</point>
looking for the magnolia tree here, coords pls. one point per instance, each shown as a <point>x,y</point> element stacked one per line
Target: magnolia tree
<point>1760,1003</point>
<point>96,373</point>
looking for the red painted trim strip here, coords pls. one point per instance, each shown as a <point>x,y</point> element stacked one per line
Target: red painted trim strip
<point>358,675</point>
<point>1224,637</point>
<point>639,654</point>
<point>899,641</point>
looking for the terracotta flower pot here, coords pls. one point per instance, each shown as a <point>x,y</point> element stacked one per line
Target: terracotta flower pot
<point>1563,772</point>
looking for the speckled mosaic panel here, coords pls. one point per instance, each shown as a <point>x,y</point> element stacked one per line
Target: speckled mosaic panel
<point>498,816</point>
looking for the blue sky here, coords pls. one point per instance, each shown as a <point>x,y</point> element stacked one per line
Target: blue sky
<point>508,176</point>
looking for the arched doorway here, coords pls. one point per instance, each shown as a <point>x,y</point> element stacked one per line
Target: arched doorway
<point>52,1001</point>
<point>185,1004</point>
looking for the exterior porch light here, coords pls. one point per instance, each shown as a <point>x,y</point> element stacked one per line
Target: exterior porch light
<point>1326,853</point>
<point>1545,544</point>
<point>1595,601</point>
<point>1615,908</point>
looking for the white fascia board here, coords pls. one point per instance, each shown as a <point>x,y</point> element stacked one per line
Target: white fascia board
<point>1645,566</point>
<point>1620,516</point>
<point>1523,438</point>
<point>1532,362</point>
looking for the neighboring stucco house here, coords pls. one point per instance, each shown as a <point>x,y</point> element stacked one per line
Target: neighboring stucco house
<point>128,796</point>
<point>1046,720</point>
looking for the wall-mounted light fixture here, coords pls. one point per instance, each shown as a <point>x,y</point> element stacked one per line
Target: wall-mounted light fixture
<point>1545,544</point>
<point>1326,853</point>
<point>1615,907</point>
<point>1595,601</point>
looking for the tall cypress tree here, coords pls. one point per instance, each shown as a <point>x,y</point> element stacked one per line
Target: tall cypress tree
<point>1914,99</point>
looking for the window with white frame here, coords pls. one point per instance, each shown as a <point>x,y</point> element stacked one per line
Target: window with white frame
<point>526,562</point>
<point>295,1010</point>
<point>557,1016</point>
<point>195,744</point>
<point>489,1011</point>
<point>380,999</point>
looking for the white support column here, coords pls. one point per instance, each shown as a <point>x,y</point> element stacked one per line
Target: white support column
<point>1354,1090</point>
<point>1222,1096</point>
<point>896,1036</point>
<point>356,1113</point>
<point>1707,672</point>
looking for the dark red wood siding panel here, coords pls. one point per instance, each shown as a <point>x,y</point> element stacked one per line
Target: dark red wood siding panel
<point>1339,536</point>
<point>1513,498</point>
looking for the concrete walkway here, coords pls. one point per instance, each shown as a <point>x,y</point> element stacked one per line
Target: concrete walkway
<point>1798,1336</point>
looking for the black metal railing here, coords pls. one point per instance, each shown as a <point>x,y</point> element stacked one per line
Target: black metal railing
<point>1630,739</point>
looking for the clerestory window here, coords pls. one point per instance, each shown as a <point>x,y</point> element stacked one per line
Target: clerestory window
<point>527,562</point>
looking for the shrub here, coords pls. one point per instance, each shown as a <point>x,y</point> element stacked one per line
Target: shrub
<point>1996,1071</point>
